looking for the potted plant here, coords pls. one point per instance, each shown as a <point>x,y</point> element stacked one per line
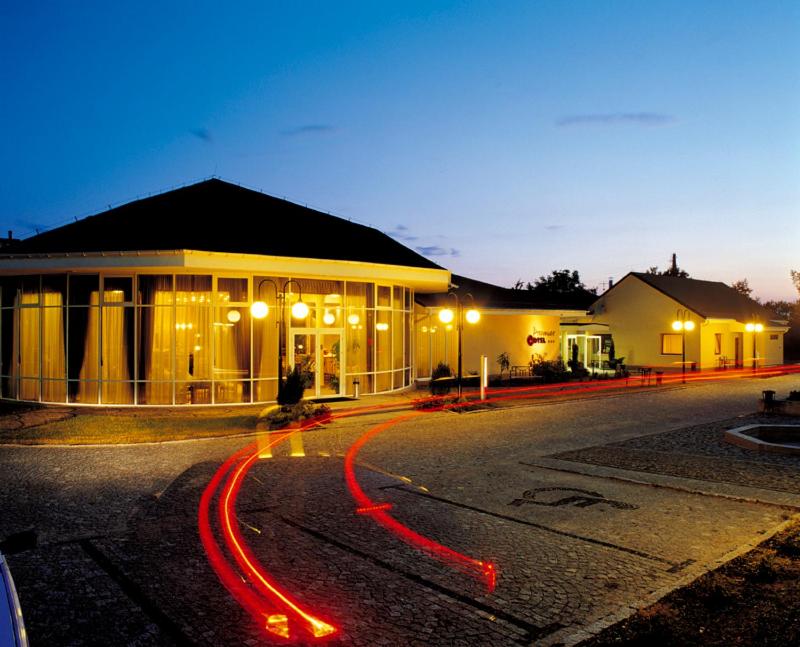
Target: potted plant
<point>441,379</point>
<point>504,361</point>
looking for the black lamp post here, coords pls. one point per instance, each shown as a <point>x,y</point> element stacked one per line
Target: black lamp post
<point>259,310</point>
<point>473,316</point>
<point>682,323</point>
<point>754,328</point>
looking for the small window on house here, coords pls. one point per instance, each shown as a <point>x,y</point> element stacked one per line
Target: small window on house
<point>384,296</point>
<point>717,343</point>
<point>773,337</point>
<point>671,344</point>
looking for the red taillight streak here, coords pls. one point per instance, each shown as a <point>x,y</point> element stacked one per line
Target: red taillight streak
<point>459,560</point>
<point>247,561</point>
<point>255,605</point>
<point>486,569</point>
<point>374,508</point>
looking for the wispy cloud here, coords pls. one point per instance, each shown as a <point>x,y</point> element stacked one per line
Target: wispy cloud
<point>617,119</point>
<point>309,129</point>
<point>553,227</point>
<point>203,134</point>
<point>400,232</point>
<point>436,250</point>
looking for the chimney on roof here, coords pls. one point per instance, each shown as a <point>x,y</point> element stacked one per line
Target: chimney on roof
<point>674,264</point>
<point>10,235</point>
<point>610,282</point>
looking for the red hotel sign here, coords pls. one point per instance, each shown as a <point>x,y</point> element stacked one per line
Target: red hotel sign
<point>541,337</point>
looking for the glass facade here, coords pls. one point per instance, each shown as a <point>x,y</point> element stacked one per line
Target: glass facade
<point>183,339</point>
<point>435,342</point>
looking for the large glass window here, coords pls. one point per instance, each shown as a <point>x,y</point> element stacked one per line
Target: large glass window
<point>53,331</point>
<point>163,339</point>
<point>383,349</point>
<point>193,339</point>
<point>265,339</point>
<point>231,334</point>
<point>231,330</point>
<point>7,356</point>
<point>156,326</point>
<point>117,343</point>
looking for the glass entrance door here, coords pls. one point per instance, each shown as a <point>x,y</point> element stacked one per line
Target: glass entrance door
<point>585,349</point>
<point>304,356</point>
<point>318,354</point>
<point>330,377</point>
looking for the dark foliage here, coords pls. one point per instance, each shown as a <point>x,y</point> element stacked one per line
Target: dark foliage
<point>441,379</point>
<point>549,370</point>
<point>291,391</point>
<point>559,282</point>
<point>672,270</point>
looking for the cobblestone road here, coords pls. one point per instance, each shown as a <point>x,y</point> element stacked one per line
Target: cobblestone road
<point>546,491</point>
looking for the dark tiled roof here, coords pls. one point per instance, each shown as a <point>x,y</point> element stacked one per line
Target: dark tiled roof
<point>487,295</point>
<point>710,299</point>
<point>217,216</point>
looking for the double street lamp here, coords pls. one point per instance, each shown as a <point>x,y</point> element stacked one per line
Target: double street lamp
<point>260,309</point>
<point>682,323</point>
<point>754,328</point>
<point>472,316</point>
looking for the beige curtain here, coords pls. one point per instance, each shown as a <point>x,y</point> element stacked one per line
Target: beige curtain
<point>26,341</point>
<point>114,353</point>
<point>54,368</point>
<point>115,367</point>
<point>266,333</point>
<point>90,368</point>
<point>192,347</point>
<point>51,358</point>
<point>265,356</point>
<point>157,334</point>
<point>315,286</point>
<point>356,330</point>
<point>231,354</point>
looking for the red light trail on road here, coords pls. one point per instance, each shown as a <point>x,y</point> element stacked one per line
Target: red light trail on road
<point>374,508</point>
<point>261,604</point>
<point>273,608</point>
<point>484,569</point>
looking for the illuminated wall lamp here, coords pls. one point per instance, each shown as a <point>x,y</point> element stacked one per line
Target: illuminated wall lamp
<point>259,309</point>
<point>299,310</point>
<point>683,325</point>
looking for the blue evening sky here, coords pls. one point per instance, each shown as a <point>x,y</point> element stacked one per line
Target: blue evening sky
<point>502,139</point>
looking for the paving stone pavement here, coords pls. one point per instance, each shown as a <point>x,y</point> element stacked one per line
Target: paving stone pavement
<point>119,560</point>
<point>700,452</point>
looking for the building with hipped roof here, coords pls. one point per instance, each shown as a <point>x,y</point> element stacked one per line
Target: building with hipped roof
<point>637,313</point>
<point>152,303</point>
<point>149,303</point>
<point>525,324</point>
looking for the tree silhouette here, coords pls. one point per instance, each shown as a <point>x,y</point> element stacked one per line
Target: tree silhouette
<point>742,287</point>
<point>672,270</point>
